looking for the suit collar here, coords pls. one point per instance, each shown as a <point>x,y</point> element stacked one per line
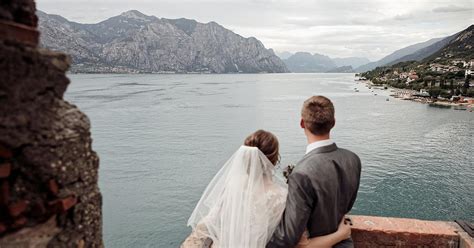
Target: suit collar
<point>323,149</point>
<point>318,144</point>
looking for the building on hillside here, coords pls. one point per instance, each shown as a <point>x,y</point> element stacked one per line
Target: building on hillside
<point>444,68</point>
<point>468,72</point>
<point>437,67</point>
<point>470,64</point>
<point>424,93</point>
<point>459,61</point>
<point>412,76</point>
<point>405,75</point>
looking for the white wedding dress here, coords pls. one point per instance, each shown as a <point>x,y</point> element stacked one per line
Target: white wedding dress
<point>243,203</point>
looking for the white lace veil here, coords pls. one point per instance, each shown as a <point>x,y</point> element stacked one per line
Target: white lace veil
<point>234,210</point>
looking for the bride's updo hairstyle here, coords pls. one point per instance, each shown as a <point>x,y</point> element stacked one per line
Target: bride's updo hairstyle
<point>267,143</point>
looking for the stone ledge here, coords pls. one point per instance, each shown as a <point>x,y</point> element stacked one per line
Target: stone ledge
<point>373,231</point>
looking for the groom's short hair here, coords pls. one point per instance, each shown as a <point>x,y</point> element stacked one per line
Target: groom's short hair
<point>318,115</point>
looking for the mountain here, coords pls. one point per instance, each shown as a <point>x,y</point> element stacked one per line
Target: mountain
<point>284,55</point>
<point>342,69</point>
<point>307,62</point>
<point>135,42</point>
<point>354,62</point>
<point>398,55</point>
<point>450,63</point>
<point>424,52</point>
<point>460,46</point>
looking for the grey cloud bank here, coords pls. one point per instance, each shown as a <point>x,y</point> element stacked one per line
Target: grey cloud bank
<point>368,28</point>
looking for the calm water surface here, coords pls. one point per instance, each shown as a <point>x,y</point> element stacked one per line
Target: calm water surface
<point>161,138</point>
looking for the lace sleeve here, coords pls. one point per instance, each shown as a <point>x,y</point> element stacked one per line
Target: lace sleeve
<point>276,200</point>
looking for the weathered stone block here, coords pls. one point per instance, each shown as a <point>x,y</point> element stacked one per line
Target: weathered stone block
<point>5,170</point>
<point>19,222</point>
<point>53,187</point>
<point>62,205</point>
<point>372,231</point>
<point>5,152</point>
<point>38,236</point>
<point>4,193</point>
<point>19,33</point>
<point>17,208</point>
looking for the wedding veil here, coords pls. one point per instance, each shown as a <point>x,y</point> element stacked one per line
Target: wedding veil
<point>235,210</point>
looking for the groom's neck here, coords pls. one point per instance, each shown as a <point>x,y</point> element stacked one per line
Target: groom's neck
<point>314,138</point>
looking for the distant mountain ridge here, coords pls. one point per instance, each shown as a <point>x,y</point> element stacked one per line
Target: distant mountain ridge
<point>419,51</point>
<point>342,69</point>
<point>135,42</point>
<point>307,62</point>
<point>400,55</point>
<point>460,45</point>
<point>424,52</point>
<point>457,47</point>
<point>284,55</point>
<point>354,62</point>
<point>445,69</point>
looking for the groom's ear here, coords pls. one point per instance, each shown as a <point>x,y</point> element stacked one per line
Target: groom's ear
<point>302,123</point>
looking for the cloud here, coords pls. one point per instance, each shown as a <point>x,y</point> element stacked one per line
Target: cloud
<point>404,17</point>
<point>451,8</point>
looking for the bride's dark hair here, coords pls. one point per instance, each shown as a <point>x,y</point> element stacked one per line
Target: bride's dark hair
<point>266,142</point>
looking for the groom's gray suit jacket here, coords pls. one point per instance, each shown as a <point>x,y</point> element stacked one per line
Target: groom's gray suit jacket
<point>321,190</point>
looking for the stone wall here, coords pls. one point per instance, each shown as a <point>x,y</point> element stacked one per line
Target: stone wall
<point>48,171</point>
<point>373,232</point>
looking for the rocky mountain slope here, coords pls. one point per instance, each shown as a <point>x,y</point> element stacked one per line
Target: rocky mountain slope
<point>307,62</point>
<point>135,42</point>
<point>449,63</point>
<point>424,52</point>
<point>460,45</point>
<point>398,55</point>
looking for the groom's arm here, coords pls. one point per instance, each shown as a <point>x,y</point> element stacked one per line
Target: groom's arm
<point>299,205</point>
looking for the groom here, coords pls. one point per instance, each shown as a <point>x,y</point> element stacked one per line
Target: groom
<point>323,186</point>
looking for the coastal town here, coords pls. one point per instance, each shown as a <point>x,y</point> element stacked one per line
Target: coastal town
<point>444,81</point>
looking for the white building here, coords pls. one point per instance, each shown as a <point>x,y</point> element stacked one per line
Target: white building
<point>469,72</point>
<point>458,61</point>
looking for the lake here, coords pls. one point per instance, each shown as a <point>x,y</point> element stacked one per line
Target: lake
<point>161,138</point>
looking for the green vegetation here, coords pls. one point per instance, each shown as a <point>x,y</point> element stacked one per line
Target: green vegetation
<point>439,80</point>
<point>445,73</point>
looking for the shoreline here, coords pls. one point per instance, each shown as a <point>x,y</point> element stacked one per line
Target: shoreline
<point>201,73</point>
<point>411,95</point>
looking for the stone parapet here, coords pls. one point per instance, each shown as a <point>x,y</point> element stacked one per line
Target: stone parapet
<point>373,231</point>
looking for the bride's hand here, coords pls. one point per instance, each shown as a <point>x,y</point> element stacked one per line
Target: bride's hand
<point>344,229</point>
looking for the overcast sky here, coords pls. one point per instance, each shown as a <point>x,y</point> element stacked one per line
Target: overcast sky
<point>366,28</point>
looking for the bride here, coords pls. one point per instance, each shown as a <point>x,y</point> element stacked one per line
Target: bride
<point>243,203</point>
